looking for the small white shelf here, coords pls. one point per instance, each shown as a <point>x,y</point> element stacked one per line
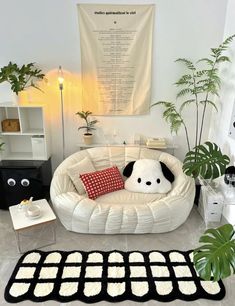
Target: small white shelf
<point>33,132</point>
<point>32,141</point>
<point>11,133</point>
<point>28,132</point>
<point>20,156</point>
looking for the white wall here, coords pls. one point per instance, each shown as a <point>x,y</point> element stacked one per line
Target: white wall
<point>220,123</point>
<point>46,32</point>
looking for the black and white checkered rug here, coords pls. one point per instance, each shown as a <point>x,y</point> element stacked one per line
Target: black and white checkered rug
<point>112,276</point>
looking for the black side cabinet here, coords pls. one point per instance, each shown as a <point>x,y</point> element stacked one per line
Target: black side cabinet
<point>22,179</point>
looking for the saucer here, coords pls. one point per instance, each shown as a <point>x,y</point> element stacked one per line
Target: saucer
<point>33,217</point>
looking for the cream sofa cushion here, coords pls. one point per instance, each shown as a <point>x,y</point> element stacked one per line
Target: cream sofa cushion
<point>74,171</point>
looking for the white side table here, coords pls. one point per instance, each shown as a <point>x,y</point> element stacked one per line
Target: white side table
<point>210,205</point>
<point>22,223</point>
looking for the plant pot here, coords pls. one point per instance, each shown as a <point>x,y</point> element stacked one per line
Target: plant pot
<point>88,138</point>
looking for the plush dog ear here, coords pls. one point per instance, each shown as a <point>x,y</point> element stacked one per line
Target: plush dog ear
<point>229,170</point>
<point>128,169</point>
<point>167,173</point>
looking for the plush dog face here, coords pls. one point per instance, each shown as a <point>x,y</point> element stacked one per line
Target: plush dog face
<point>148,176</point>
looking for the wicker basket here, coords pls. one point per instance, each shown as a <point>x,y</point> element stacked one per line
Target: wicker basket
<point>11,125</point>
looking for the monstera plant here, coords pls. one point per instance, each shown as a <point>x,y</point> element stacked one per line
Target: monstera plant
<point>215,259</point>
<point>198,87</point>
<point>207,161</point>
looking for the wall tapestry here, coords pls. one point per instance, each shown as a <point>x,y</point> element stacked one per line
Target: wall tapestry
<point>116,58</point>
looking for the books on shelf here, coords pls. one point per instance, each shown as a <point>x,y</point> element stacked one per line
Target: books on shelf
<point>156,143</point>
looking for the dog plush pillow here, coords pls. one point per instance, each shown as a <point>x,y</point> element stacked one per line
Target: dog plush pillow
<point>148,176</point>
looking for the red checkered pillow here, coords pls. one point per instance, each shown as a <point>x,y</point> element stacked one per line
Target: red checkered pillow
<point>102,182</point>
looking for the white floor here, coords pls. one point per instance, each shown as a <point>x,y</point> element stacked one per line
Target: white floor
<point>184,238</point>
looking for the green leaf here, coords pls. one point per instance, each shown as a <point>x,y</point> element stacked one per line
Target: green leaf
<point>84,114</point>
<point>186,103</point>
<point>207,60</point>
<point>184,80</point>
<point>82,127</point>
<point>209,102</point>
<point>93,122</point>
<point>201,73</point>
<point>216,52</point>
<point>222,59</point>
<point>187,63</point>
<point>171,115</point>
<point>164,103</point>
<point>206,161</point>
<point>216,258</point>
<point>184,92</point>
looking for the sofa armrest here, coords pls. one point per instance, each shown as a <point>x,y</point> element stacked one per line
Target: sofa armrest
<point>64,205</point>
<point>61,184</point>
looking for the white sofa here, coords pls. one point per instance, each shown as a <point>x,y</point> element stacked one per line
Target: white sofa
<point>121,211</point>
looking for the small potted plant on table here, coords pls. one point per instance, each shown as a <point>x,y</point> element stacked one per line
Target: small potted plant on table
<point>89,126</point>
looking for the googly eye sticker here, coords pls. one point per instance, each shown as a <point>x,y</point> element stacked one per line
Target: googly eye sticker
<point>25,182</point>
<point>11,182</point>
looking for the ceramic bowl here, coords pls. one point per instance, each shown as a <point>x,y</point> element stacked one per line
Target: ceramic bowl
<point>33,211</point>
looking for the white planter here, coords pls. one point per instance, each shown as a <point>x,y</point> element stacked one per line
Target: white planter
<point>88,138</point>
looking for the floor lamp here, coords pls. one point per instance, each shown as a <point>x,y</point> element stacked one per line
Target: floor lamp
<point>61,88</point>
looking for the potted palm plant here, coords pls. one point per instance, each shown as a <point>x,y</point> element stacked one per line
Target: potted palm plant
<point>89,126</point>
<point>198,87</point>
<point>21,77</point>
<point>215,258</point>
